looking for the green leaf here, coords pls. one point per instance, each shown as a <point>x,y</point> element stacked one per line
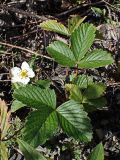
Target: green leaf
<point>61,53</point>
<point>29,152</point>
<point>43,83</point>
<point>3,151</point>
<point>82,39</point>
<point>92,104</point>
<point>83,81</point>
<point>72,78</point>
<point>16,105</point>
<point>97,11</point>
<point>17,85</point>
<point>94,91</point>
<point>53,25</point>
<point>75,92</point>
<point>74,120</point>
<point>74,23</point>
<point>97,153</point>
<point>40,126</point>
<point>36,97</point>
<point>98,58</point>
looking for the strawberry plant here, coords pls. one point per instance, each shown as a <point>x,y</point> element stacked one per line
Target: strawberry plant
<point>27,149</point>
<point>77,53</point>
<point>46,117</point>
<point>45,120</point>
<point>91,94</point>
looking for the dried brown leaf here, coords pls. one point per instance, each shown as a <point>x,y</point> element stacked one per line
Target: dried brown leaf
<point>4,119</point>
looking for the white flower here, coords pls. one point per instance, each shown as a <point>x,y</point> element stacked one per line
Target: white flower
<point>22,74</point>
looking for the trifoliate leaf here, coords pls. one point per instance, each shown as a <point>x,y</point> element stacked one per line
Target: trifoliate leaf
<point>74,121</point>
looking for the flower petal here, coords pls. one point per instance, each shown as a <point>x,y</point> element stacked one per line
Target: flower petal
<point>15,71</point>
<point>25,66</point>
<point>15,79</point>
<point>31,74</point>
<point>25,80</point>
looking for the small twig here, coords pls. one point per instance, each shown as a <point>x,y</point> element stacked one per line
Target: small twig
<point>4,52</point>
<point>67,74</point>
<point>13,134</point>
<point>4,74</point>
<point>52,82</point>
<point>22,36</point>
<point>113,84</point>
<point>16,149</point>
<point>76,8</point>
<point>117,9</point>
<point>5,80</point>
<point>24,49</point>
<point>19,11</point>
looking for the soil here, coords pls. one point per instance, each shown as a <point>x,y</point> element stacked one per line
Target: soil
<point>19,30</point>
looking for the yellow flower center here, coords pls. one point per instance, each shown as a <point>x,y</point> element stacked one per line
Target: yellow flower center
<point>23,74</point>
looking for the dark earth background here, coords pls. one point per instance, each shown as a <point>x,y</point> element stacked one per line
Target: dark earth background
<point>20,37</point>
